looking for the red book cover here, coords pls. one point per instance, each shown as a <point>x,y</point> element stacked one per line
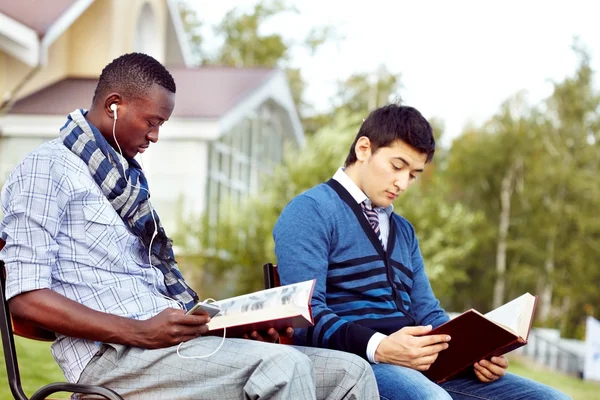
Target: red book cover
<point>475,337</point>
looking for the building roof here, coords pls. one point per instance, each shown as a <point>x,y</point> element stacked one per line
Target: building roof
<point>29,27</point>
<point>213,91</point>
<point>206,92</point>
<point>59,98</point>
<point>38,15</point>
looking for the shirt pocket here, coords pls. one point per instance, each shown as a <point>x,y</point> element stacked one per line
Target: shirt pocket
<point>107,237</point>
<point>101,213</point>
<point>102,233</point>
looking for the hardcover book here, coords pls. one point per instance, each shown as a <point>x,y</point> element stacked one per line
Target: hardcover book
<point>476,336</point>
<point>278,308</point>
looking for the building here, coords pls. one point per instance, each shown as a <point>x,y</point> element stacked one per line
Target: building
<point>229,125</point>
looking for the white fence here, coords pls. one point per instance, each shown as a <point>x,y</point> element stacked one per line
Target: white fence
<point>546,347</point>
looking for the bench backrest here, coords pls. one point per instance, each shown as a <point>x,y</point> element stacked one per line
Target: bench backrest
<point>271,276</point>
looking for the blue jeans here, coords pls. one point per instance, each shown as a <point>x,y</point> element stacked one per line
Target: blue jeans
<point>397,383</point>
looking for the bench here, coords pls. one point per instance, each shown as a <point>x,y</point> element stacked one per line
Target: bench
<point>10,325</point>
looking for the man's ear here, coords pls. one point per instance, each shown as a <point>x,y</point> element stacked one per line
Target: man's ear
<point>363,148</point>
<point>113,98</point>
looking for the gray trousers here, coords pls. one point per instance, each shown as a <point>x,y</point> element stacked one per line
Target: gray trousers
<point>241,369</point>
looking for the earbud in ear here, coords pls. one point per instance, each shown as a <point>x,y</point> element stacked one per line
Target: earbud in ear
<point>113,107</point>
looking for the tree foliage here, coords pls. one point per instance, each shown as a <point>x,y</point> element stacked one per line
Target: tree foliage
<point>510,207</point>
<point>552,236</point>
<point>244,242</point>
<point>447,230</point>
<point>192,26</point>
<point>359,94</point>
<point>245,44</point>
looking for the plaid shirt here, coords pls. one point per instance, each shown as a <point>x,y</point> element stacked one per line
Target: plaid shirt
<point>61,233</point>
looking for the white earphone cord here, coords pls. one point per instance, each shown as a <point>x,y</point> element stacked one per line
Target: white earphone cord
<point>152,240</point>
<point>121,161</point>
<point>207,355</point>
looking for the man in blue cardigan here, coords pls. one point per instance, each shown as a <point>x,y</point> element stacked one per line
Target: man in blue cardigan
<point>372,295</point>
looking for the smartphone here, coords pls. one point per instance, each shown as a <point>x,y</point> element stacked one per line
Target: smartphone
<point>210,308</point>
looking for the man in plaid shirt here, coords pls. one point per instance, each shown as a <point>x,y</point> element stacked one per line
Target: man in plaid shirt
<point>87,258</point>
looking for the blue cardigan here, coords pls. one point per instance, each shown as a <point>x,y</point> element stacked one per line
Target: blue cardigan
<point>360,289</point>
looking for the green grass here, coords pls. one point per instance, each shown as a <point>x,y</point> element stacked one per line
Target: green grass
<point>574,387</point>
<point>38,368</point>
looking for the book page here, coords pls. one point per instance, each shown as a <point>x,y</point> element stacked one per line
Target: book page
<point>279,308</point>
<point>515,315</point>
<point>297,294</point>
<point>526,316</point>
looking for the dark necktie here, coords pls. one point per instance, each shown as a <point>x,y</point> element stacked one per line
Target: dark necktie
<point>373,218</point>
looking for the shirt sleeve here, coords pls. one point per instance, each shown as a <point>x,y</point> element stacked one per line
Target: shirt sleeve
<point>302,237</point>
<point>30,225</point>
<point>374,342</point>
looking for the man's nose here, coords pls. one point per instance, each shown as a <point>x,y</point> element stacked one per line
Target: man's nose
<point>402,181</point>
<point>153,135</point>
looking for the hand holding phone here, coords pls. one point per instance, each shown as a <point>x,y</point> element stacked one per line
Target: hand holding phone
<point>210,308</point>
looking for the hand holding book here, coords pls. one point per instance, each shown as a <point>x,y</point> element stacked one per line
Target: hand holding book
<point>266,314</point>
<point>477,337</point>
<point>411,348</point>
<point>490,370</point>
<point>273,336</point>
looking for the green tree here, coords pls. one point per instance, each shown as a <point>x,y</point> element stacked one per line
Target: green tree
<point>529,171</point>
<point>447,230</point>
<point>572,195</point>
<point>359,94</point>
<point>484,166</point>
<point>244,243</point>
<point>364,92</point>
<point>192,26</point>
<point>244,44</point>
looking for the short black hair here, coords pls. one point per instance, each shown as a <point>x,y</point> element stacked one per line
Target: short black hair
<point>394,122</point>
<point>132,75</point>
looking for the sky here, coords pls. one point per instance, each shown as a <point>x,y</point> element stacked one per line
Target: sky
<point>459,60</point>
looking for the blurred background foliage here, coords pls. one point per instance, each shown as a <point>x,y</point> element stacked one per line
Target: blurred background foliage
<point>508,206</point>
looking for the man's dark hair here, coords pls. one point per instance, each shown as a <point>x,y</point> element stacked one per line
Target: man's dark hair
<point>132,75</point>
<point>394,122</point>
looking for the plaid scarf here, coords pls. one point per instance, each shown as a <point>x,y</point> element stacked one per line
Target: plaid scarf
<point>131,201</point>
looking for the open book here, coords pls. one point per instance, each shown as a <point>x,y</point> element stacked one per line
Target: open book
<point>278,308</point>
<point>476,336</point>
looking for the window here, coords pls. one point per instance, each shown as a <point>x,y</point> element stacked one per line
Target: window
<point>241,159</point>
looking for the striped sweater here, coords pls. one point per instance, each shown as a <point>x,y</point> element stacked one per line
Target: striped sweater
<point>360,288</point>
